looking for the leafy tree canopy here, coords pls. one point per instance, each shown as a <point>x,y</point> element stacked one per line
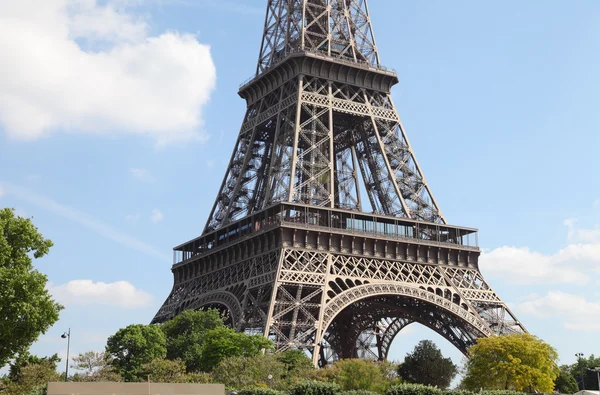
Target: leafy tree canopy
<point>426,365</point>
<point>565,383</point>
<point>519,362</point>
<point>185,335</point>
<point>580,369</point>
<point>33,375</point>
<point>134,346</point>
<point>221,343</point>
<point>253,371</point>
<point>297,364</point>
<point>26,308</point>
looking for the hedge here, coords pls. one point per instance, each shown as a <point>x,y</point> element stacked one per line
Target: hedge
<point>359,392</point>
<point>414,389</point>
<point>259,391</point>
<point>312,387</point>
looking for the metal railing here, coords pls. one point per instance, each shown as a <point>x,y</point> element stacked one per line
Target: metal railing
<point>362,64</point>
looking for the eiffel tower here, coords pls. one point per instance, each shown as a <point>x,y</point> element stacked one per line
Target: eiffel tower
<point>325,235</point>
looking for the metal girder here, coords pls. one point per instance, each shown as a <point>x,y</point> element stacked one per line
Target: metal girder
<point>337,28</point>
<point>313,141</point>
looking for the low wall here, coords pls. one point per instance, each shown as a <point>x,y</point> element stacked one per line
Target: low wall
<point>134,389</point>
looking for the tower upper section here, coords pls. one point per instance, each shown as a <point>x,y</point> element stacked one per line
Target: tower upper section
<point>337,28</point>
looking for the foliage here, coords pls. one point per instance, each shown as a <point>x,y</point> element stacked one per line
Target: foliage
<point>519,362</point>
<point>134,346</point>
<point>359,374</point>
<point>221,343</point>
<point>164,371</point>
<point>500,392</point>
<point>297,365</point>
<point>315,388</point>
<point>359,392</point>
<point>105,374</point>
<point>426,365</point>
<point>414,389</point>
<point>581,366</point>
<point>185,335</point>
<point>26,308</point>
<point>90,361</point>
<point>198,378</point>
<point>33,378</point>
<point>243,372</point>
<point>565,383</point>
<point>25,359</point>
<point>259,391</point>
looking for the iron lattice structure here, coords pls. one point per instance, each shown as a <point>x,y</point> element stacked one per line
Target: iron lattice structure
<point>292,249</point>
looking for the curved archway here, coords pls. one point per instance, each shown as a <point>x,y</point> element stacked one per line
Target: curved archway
<point>365,319</point>
<point>216,300</point>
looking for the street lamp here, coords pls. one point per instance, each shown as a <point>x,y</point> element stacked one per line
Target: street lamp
<point>597,370</point>
<point>579,355</point>
<point>67,335</point>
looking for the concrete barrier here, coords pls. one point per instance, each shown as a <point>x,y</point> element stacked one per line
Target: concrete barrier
<point>134,389</point>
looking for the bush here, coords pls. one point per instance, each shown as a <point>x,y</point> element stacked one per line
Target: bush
<point>414,389</point>
<point>315,388</point>
<point>359,392</point>
<point>259,391</point>
<point>501,392</point>
<point>459,392</point>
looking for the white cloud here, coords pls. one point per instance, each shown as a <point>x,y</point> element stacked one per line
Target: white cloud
<point>570,265</point>
<point>142,175</point>
<point>575,312</point>
<point>86,292</point>
<point>132,217</point>
<point>95,69</point>
<point>157,216</point>
<point>582,234</point>
<point>83,219</point>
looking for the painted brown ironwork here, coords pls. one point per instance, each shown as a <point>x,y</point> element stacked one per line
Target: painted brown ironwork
<point>292,249</point>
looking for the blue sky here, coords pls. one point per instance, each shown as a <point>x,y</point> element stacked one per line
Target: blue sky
<point>117,119</point>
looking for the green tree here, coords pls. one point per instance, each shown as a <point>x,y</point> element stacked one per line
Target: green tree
<point>221,343</point>
<point>426,365</point>
<point>565,383</point>
<point>297,365</point>
<point>26,308</point>
<point>253,371</point>
<point>32,377</point>
<point>134,346</point>
<point>164,371</point>
<point>519,362</point>
<point>581,367</point>
<point>356,374</point>
<point>24,359</point>
<point>185,335</point>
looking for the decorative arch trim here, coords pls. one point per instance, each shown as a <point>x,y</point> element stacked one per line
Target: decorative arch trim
<point>224,298</point>
<point>352,295</point>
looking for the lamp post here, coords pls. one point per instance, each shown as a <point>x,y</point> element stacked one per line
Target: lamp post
<point>67,335</point>
<point>579,355</point>
<point>597,370</point>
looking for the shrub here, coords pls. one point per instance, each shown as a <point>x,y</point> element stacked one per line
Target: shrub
<point>501,392</point>
<point>359,392</point>
<point>459,392</point>
<point>315,388</point>
<point>414,389</point>
<point>259,391</point>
